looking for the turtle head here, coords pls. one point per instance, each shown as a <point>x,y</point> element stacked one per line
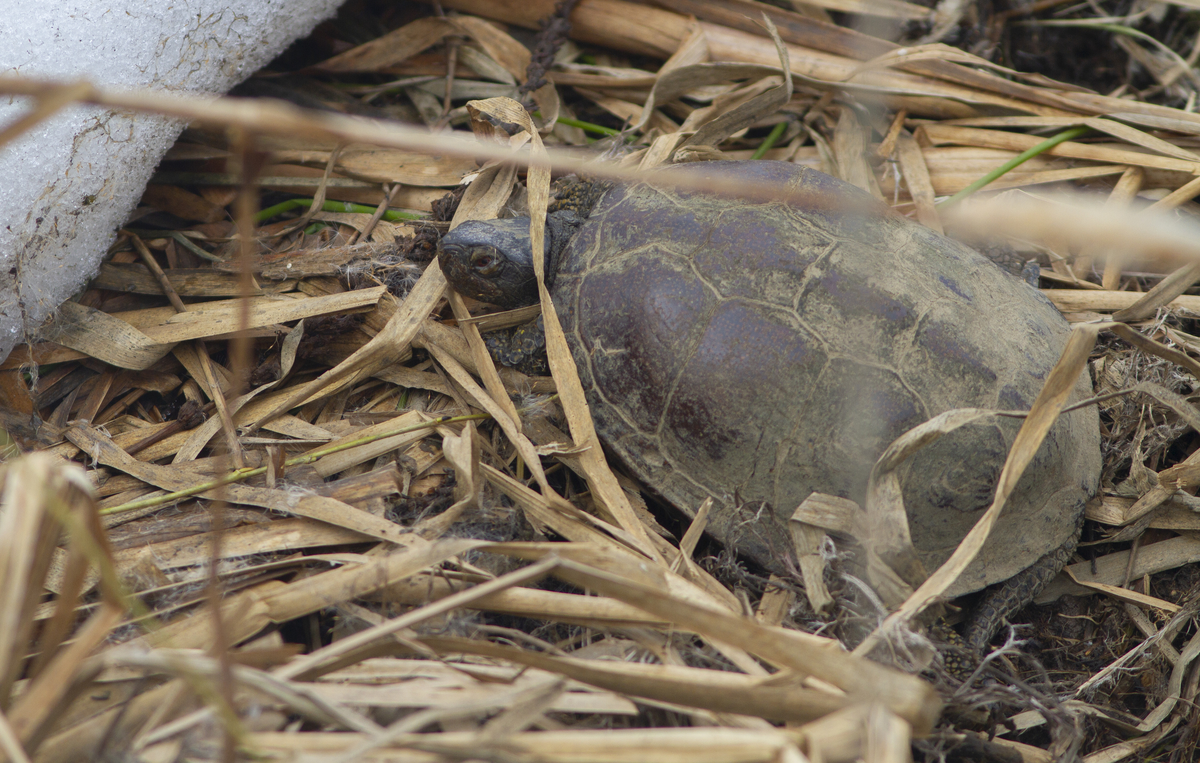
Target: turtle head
<point>492,260</point>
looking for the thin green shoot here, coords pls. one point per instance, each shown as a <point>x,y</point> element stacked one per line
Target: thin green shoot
<point>390,215</point>
<point>770,141</point>
<point>1064,136</point>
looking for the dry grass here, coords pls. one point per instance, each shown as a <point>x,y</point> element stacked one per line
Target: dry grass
<point>289,570</point>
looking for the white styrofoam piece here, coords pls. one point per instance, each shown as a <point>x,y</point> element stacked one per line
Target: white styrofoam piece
<point>69,183</point>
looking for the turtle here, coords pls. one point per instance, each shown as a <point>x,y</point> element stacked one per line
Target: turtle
<point>756,352</point>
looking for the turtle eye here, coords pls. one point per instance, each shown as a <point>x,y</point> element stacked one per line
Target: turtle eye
<point>485,261</point>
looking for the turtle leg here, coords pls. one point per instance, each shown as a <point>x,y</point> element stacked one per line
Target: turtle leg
<point>1003,600</point>
<point>522,348</point>
<point>1006,258</point>
<point>1031,272</point>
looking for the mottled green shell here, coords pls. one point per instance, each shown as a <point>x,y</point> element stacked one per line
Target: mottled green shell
<point>757,352</point>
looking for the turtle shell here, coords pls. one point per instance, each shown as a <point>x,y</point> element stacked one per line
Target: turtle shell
<point>757,352</point>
